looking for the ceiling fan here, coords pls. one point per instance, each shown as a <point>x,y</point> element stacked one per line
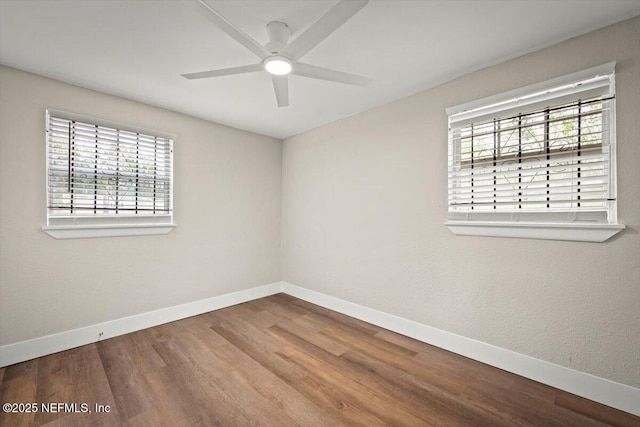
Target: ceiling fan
<point>280,58</point>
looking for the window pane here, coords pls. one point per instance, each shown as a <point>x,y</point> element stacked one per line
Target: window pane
<point>550,159</point>
<point>97,170</point>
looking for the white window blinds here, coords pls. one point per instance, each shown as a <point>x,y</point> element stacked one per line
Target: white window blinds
<point>543,154</point>
<point>99,169</point>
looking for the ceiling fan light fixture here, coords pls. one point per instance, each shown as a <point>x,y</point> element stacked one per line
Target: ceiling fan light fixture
<point>278,65</point>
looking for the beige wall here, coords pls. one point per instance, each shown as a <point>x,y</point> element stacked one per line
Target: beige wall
<point>364,202</point>
<point>227,207</point>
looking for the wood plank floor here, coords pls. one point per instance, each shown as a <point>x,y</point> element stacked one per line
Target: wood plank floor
<point>280,361</point>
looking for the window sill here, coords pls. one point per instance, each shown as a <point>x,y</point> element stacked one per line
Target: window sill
<point>104,230</point>
<point>569,232</point>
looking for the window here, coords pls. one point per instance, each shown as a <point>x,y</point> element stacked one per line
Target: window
<point>106,179</point>
<point>538,162</point>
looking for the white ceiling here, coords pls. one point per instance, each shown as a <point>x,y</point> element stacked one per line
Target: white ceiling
<point>138,49</point>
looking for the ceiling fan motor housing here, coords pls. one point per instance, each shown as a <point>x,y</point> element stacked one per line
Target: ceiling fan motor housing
<point>279,34</point>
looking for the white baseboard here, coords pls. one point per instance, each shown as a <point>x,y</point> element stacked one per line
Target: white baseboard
<point>37,347</point>
<point>601,390</point>
<point>610,393</point>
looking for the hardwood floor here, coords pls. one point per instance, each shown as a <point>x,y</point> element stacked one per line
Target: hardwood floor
<point>280,361</point>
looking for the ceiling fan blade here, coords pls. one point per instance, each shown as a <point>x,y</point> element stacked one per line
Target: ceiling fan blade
<point>223,72</point>
<point>322,28</point>
<point>306,70</point>
<point>281,86</point>
<point>233,31</point>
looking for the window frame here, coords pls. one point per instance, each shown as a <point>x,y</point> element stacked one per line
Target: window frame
<point>75,226</point>
<point>581,225</point>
